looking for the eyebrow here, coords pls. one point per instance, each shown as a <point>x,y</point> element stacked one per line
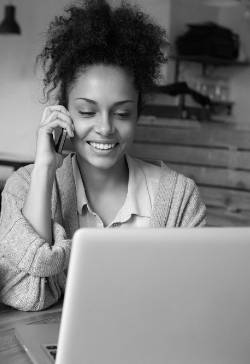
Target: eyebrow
<point>95,103</point>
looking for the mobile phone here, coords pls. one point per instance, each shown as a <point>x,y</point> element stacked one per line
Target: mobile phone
<point>59,143</point>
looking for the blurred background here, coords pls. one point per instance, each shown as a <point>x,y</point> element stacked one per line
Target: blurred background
<point>20,87</point>
<point>194,89</point>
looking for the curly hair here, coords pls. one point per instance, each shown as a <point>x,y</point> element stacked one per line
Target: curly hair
<point>93,32</point>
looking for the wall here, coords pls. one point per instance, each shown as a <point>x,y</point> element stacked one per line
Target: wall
<point>20,87</point>
<point>20,90</point>
<point>189,11</point>
<point>158,9</point>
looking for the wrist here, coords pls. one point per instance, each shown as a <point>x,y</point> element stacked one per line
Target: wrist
<point>50,163</point>
<point>44,171</point>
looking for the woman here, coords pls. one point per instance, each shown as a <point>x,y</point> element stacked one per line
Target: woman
<point>99,63</point>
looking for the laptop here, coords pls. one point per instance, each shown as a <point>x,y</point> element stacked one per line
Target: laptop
<point>151,296</point>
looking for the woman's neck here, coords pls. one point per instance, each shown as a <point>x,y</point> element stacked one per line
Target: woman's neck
<point>99,180</point>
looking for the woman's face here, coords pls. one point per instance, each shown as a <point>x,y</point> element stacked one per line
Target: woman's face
<point>103,106</point>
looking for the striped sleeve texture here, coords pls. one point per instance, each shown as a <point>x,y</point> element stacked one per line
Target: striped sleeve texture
<point>32,270</point>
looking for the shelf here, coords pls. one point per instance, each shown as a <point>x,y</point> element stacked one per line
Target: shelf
<point>210,60</point>
<point>183,111</point>
<point>205,61</point>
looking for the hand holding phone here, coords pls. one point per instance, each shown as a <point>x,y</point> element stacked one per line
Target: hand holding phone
<point>56,124</point>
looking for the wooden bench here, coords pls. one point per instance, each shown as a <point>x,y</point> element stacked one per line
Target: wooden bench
<point>215,155</point>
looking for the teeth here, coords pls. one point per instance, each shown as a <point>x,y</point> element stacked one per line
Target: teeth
<point>102,146</point>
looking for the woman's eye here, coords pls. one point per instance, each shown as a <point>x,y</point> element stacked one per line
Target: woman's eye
<point>87,113</point>
<point>122,114</point>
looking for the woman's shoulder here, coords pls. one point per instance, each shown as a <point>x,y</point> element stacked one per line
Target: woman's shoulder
<point>167,172</point>
<point>19,179</point>
<point>177,200</point>
<point>160,171</point>
<point>165,182</point>
<point>152,169</point>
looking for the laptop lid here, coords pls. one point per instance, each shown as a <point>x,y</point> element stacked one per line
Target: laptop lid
<point>157,296</point>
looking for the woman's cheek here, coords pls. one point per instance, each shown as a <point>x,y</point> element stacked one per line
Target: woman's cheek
<point>82,128</point>
<point>129,130</point>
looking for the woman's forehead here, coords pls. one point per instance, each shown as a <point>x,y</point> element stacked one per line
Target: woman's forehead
<point>103,82</point>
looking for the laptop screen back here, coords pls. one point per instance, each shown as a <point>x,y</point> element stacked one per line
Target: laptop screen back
<point>157,296</point>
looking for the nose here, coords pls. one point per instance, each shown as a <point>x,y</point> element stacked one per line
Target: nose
<point>105,125</point>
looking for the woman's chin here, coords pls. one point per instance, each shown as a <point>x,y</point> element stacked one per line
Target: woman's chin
<point>102,160</point>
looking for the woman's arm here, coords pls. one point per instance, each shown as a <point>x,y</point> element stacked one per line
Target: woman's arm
<point>34,250</point>
<point>32,270</point>
<point>37,207</point>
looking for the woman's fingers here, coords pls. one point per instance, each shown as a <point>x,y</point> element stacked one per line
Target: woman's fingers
<point>55,110</point>
<point>48,129</point>
<point>53,117</point>
<point>58,119</point>
<point>50,109</point>
<point>57,116</point>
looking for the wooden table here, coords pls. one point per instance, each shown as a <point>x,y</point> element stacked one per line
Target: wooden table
<point>10,350</point>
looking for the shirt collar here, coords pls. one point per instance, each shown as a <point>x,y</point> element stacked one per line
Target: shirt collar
<point>137,202</point>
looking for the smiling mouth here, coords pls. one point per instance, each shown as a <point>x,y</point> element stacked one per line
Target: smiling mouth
<point>103,146</point>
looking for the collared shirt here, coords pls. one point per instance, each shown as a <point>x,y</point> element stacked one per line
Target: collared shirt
<point>137,207</point>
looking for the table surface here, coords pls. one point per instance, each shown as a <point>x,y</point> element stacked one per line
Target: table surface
<point>10,350</point>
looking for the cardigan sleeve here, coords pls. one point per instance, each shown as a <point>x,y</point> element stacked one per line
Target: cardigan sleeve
<point>32,271</point>
<point>192,211</point>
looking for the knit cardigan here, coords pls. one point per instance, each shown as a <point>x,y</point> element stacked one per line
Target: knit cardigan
<point>32,270</point>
